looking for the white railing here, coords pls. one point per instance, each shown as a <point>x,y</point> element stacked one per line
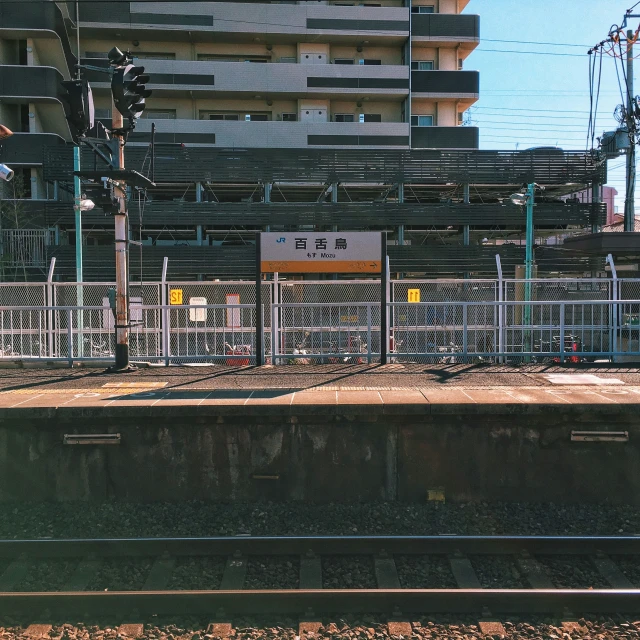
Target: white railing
<point>343,332</point>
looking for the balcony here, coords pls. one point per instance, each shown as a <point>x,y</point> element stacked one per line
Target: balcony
<point>41,85</point>
<point>274,134</point>
<point>445,137</point>
<point>27,148</point>
<point>446,84</point>
<point>286,23</point>
<point>243,80</point>
<point>43,22</point>
<point>446,29</point>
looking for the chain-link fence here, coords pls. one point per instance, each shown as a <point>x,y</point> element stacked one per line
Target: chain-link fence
<point>326,321</point>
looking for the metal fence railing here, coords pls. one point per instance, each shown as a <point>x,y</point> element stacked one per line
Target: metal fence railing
<point>297,333</point>
<point>328,321</point>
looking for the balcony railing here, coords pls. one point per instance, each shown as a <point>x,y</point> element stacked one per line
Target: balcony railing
<point>231,17</point>
<point>445,137</point>
<point>283,78</point>
<point>454,82</point>
<point>439,25</point>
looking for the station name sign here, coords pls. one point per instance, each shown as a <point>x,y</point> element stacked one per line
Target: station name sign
<point>301,252</point>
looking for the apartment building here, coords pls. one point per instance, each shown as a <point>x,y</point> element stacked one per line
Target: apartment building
<point>314,74</point>
<point>332,114</point>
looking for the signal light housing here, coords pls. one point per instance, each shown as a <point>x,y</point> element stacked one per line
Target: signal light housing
<point>81,112</point>
<point>101,195</point>
<point>129,91</point>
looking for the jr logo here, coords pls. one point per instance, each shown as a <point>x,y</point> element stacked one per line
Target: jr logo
<point>279,240</point>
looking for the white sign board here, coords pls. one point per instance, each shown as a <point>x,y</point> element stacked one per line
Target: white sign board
<point>197,315</point>
<point>135,312</point>
<point>233,315</point>
<point>317,252</point>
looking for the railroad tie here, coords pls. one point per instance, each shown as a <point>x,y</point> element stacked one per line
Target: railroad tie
<point>160,573</point>
<point>466,578</point>
<point>611,572</point>
<point>235,572</point>
<point>37,631</point>
<point>534,572</point>
<point>83,574</point>
<point>387,578</point>
<point>463,572</point>
<point>310,578</point>
<point>14,573</point>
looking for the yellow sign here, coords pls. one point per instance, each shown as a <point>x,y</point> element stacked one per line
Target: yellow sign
<point>175,296</point>
<point>413,295</point>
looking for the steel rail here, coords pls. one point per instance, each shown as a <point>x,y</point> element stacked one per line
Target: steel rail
<point>326,601</point>
<point>321,545</point>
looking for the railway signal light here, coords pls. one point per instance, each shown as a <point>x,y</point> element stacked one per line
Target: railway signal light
<point>81,110</point>
<point>128,86</point>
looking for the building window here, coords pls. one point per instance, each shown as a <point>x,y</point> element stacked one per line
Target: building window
<point>213,57</point>
<point>343,117</point>
<point>425,9</point>
<point>256,117</point>
<point>370,61</point>
<point>343,61</point>
<point>370,117</point>
<point>205,115</point>
<point>422,65</point>
<point>289,117</point>
<point>422,121</point>
<point>153,56</point>
<point>159,114</point>
<point>289,59</point>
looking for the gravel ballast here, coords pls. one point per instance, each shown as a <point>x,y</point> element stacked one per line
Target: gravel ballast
<point>119,519</point>
<point>351,628</point>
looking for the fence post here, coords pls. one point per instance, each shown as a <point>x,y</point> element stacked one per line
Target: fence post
<point>464,331</point>
<point>614,307</point>
<point>274,318</point>
<point>165,326</point>
<point>501,310</point>
<point>50,303</point>
<point>70,337</point>
<point>369,334</point>
<point>562,332</point>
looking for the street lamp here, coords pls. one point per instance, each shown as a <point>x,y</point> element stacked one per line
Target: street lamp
<point>527,199</point>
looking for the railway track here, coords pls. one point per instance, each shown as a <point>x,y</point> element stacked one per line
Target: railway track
<point>84,558</point>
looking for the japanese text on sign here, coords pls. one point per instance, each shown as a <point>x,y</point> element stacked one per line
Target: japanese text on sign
<point>352,252</point>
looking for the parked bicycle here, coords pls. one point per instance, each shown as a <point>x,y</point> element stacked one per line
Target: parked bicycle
<point>237,350</point>
<point>450,353</point>
<point>573,348</point>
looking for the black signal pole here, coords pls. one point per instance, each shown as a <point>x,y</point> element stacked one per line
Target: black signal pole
<point>121,220</point>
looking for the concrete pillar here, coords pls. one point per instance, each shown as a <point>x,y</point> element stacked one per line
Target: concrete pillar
<point>334,192</point>
<point>198,191</point>
<point>596,197</point>
<point>267,192</point>
<point>199,235</point>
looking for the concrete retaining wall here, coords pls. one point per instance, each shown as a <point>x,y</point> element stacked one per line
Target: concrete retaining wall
<point>345,454</point>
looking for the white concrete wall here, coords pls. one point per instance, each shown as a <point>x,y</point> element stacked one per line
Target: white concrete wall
<point>271,134</point>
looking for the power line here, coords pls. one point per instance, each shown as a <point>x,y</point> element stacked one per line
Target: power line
<point>553,44</point>
<point>535,110</point>
<point>533,53</point>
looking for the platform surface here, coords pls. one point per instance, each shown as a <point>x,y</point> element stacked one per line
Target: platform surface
<point>289,389</point>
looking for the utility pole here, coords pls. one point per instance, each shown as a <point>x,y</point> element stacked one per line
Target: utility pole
<point>121,221</point>
<point>629,201</point>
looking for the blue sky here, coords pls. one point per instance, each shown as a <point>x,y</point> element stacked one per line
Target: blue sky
<point>538,99</point>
